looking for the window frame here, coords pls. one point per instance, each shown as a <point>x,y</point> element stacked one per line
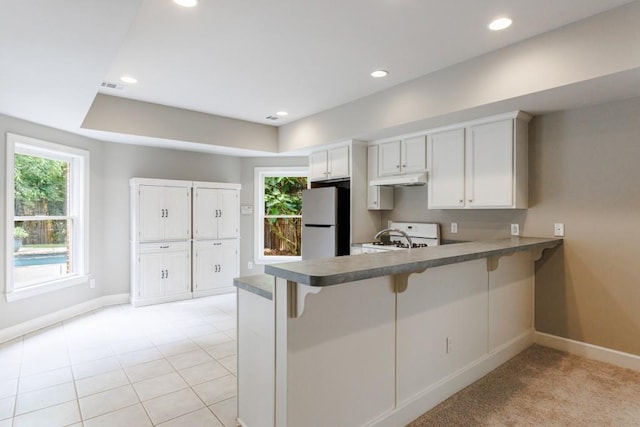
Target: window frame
<point>78,210</point>
<point>260,173</point>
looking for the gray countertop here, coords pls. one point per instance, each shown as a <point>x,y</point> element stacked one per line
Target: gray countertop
<point>333,271</point>
<point>259,284</point>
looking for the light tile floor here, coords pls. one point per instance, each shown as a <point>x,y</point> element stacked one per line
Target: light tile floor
<point>165,365</point>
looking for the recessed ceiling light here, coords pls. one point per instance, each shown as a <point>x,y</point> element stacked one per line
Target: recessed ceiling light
<point>282,113</point>
<point>500,24</point>
<point>186,3</point>
<point>380,73</point>
<point>129,79</point>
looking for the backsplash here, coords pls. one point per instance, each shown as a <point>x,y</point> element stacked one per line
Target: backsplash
<point>410,204</point>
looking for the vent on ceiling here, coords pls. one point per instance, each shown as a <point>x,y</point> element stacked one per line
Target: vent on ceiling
<point>272,118</point>
<point>111,85</point>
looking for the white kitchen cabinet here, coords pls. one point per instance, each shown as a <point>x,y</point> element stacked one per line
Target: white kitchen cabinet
<point>402,156</point>
<point>216,211</point>
<point>378,198</point>
<point>329,164</point>
<point>162,272</point>
<point>480,166</point>
<point>215,264</point>
<point>161,239</point>
<point>445,156</point>
<point>164,212</point>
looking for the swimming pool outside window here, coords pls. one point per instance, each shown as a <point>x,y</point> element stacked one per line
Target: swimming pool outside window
<point>47,207</point>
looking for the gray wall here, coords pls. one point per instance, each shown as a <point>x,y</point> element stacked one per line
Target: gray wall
<point>26,309</point>
<point>112,165</point>
<point>584,172</point>
<point>247,198</point>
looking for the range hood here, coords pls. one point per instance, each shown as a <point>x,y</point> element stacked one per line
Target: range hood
<point>407,180</point>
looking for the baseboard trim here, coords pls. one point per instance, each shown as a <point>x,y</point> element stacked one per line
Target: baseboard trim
<point>409,410</point>
<point>15,331</point>
<point>590,351</point>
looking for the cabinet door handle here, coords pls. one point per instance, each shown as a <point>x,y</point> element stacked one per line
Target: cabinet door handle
<point>470,200</point>
<point>162,274</point>
<point>397,166</point>
<point>461,201</point>
<point>167,213</point>
<point>216,213</point>
<point>220,214</point>
<point>164,247</point>
<point>162,213</point>
<point>166,274</point>
<point>404,166</point>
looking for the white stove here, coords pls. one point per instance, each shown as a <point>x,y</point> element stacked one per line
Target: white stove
<point>422,235</point>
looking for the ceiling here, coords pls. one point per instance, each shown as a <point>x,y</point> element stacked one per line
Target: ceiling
<point>244,59</point>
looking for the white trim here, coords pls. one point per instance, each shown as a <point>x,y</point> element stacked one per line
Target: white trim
<point>42,288</point>
<point>46,320</point>
<point>259,173</point>
<point>590,351</point>
<point>78,211</point>
<point>412,408</point>
<point>498,117</point>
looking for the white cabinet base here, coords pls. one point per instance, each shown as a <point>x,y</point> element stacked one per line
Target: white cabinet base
<point>217,291</point>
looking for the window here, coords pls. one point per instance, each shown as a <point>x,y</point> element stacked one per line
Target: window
<point>47,216</point>
<point>279,213</point>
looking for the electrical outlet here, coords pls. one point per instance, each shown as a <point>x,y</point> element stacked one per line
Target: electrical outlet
<point>92,283</point>
<point>515,229</point>
<point>454,227</point>
<point>449,345</point>
<point>558,229</point>
<point>250,265</point>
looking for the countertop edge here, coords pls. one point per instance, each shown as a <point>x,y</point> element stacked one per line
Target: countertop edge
<point>259,284</point>
<point>510,245</point>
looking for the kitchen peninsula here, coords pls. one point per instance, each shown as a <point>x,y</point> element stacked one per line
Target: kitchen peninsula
<point>378,339</point>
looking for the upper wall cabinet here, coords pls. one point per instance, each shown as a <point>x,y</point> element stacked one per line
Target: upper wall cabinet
<point>378,198</point>
<point>482,165</point>
<point>402,156</point>
<point>216,211</point>
<point>165,212</point>
<point>329,164</point>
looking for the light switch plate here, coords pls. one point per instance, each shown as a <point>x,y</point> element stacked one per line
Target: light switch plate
<point>246,210</point>
<point>454,227</point>
<point>558,229</point>
<point>515,229</point>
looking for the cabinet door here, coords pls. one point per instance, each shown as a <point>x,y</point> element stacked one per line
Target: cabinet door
<point>227,260</point>
<point>151,279</point>
<point>338,160</point>
<point>413,154</point>
<point>378,198</point>
<point>318,166</point>
<point>204,265</point>
<point>177,213</point>
<point>228,213</point>
<point>206,213</point>
<point>446,169</point>
<point>177,273</point>
<point>489,166</point>
<point>389,158</point>
<point>151,217</point>
<point>215,264</point>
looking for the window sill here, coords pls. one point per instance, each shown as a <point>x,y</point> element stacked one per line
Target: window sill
<point>277,260</point>
<point>36,290</point>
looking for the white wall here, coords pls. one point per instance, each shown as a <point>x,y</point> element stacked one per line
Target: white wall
<point>582,52</point>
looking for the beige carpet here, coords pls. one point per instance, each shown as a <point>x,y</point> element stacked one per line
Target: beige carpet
<point>544,387</point>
